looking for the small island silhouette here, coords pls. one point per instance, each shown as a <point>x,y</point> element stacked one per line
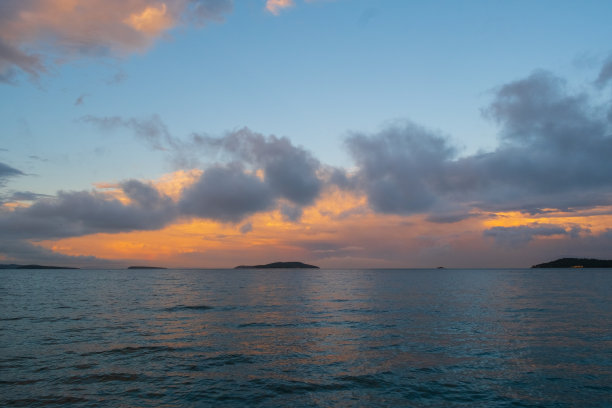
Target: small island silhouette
<point>17,266</point>
<point>576,263</point>
<point>279,265</point>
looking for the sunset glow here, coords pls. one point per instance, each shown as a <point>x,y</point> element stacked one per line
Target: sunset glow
<point>188,133</point>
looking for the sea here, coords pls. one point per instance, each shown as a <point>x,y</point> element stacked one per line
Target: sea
<point>306,338</point>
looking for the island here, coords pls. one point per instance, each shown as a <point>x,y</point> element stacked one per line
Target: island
<point>279,265</point>
<point>16,266</point>
<point>576,263</point>
<point>145,267</point>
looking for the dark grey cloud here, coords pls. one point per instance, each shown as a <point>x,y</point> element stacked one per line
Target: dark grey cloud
<point>146,196</point>
<point>7,172</point>
<point>80,213</point>
<point>520,235</point>
<point>554,152</point>
<point>400,168</point>
<point>290,212</point>
<point>23,252</point>
<point>289,170</point>
<point>605,74</point>
<point>27,196</point>
<point>448,217</point>
<point>226,193</point>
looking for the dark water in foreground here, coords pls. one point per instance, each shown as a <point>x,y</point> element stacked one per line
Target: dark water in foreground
<point>423,338</point>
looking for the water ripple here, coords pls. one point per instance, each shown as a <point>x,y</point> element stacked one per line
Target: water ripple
<point>188,307</point>
<point>106,377</point>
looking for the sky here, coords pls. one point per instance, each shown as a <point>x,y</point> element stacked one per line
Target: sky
<point>343,133</point>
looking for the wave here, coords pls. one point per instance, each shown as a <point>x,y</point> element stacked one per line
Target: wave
<point>43,401</point>
<point>11,319</point>
<point>188,307</point>
<point>131,350</point>
<point>340,383</point>
<point>228,359</point>
<point>19,382</point>
<point>106,377</point>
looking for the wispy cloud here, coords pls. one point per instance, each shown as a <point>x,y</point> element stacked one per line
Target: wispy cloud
<point>80,100</point>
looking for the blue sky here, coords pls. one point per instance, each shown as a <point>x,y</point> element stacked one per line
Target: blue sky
<point>317,72</point>
<point>313,73</point>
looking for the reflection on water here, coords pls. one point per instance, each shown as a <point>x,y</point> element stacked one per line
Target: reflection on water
<point>306,338</point>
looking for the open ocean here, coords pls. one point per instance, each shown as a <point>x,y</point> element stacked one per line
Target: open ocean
<point>306,338</point>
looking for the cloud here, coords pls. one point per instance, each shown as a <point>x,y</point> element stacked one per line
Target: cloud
<point>26,196</point>
<point>68,29</point>
<point>117,78</point>
<point>291,213</point>
<point>275,6</point>
<point>399,168</point>
<point>81,213</point>
<point>23,252</point>
<point>253,173</point>
<point>146,196</point>
<point>246,228</point>
<point>520,235</point>
<point>80,100</point>
<point>152,131</point>
<point>554,153</point>
<point>13,60</point>
<point>7,172</point>
<point>605,74</point>
<point>449,217</point>
<point>289,172</point>
<point>226,193</point>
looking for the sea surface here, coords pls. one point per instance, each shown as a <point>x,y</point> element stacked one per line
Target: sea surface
<point>306,338</point>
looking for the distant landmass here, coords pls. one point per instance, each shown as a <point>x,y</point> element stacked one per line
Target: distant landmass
<point>279,265</point>
<point>576,263</point>
<point>145,267</point>
<point>16,266</point>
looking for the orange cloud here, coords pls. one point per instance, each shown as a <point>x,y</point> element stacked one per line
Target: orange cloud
<point>70,29</point>
<point>275,6</point>
<point>338,230</point>
<point>595,220</point>
<point>152,20</point>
